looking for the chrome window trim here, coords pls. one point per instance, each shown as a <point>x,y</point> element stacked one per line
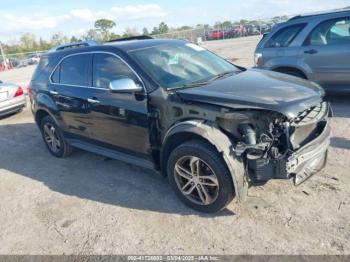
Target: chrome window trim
<point>91,53</point>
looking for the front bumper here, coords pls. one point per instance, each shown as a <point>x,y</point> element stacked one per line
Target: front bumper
<point>300,163</point>
<point>311,158</point>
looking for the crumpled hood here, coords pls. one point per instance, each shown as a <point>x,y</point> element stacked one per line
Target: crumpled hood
<point>258,89</point>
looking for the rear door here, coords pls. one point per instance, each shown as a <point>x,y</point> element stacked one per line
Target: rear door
<point>326,51</point>
<point>279,50</point>
<point>69,89</point>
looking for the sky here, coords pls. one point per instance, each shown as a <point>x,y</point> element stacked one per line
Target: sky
<point>74,17</point>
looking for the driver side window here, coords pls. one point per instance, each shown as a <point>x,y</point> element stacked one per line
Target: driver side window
<point>331,32</point>
<point>107,68</point>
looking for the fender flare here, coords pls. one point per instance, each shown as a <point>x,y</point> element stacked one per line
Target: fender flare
<point>223,145</point>
<point>304,71</point>
<point>46,103</point>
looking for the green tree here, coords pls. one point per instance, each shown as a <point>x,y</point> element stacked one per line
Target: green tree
<point>73,39</point>
<point>28,41</point>
<point>104,26</point>
<point>155,31</point>
<point>145,31</point>
<point>44,45</point>
<point>163,28</point>
<point>130,32</point>
<point>218,25</point>
<point>185,27</point>
<point>113,36</point>
<point>243,21</point>
<point>227,24</point>
<point>92,34</point>
<point>58,39</point>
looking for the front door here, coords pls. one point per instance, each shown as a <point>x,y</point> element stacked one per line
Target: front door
<point>326,52</point>
<point>118,119</point>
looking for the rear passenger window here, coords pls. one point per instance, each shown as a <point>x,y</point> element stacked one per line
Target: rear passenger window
<point>331,32</point>
<point>107,68</point>
<point>285,36</point>
<point>74,70</point>
<point>56,75</point>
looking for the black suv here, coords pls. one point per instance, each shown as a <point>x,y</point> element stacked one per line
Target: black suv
<point>212,128</point>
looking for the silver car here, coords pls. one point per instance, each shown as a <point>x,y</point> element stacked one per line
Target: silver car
<point>315,47</point>
<point>12,98</point>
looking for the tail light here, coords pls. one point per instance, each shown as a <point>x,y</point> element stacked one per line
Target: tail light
<point>19,92</point>
<point>258,59</point>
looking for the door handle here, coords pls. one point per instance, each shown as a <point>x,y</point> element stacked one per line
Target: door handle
<point>311,51</point>
<point>53,92</point>
<point>93,101</point>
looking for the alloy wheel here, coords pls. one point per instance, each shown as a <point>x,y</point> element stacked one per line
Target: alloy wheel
<point>51,138</point>
<point>196,180</point>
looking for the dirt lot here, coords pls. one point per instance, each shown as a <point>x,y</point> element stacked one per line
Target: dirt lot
<point>87,204</point>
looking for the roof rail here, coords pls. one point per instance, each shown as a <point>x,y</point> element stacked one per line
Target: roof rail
<point>139,37</point>
<point>335,11</point>
<point>73,45</point>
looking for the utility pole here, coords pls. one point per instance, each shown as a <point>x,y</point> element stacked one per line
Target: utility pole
<point>3,57</point>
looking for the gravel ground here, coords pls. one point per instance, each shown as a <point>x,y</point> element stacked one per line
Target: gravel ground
<point>87,204</point>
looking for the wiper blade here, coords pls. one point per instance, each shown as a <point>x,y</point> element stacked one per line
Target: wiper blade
<point>193,84</point>
<point>222,75</point>
<point>196,84</point>
<point>200,83</point>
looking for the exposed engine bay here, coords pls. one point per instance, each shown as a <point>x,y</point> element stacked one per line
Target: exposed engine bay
<point>267,140</point>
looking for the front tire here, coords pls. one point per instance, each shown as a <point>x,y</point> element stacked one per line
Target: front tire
<point>54,139</point>
<point>200,177</point>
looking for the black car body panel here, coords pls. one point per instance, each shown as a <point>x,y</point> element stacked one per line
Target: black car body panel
<point>259,89</point>
<point>256,118</point>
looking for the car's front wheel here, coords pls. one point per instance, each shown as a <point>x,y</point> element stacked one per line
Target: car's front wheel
<point>200,177</point>
<point>53,138</point>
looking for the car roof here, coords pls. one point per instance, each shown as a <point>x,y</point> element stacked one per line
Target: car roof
<point>124,46</point>
<point>130,45</point>
<point>322,13</point>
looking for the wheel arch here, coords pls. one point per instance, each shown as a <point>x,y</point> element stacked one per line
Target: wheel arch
<point>44,105</point>
<point>282,69</point>
<point>40,114</point>
<point>198,129</point>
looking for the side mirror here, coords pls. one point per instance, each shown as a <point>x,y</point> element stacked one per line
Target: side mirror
<point>124,85</point>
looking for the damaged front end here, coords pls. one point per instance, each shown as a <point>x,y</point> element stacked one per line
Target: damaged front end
<point>275,147</point>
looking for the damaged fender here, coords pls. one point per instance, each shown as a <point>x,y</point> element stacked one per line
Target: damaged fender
<point>223,145</point>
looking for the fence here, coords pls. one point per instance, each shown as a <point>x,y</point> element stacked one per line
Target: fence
<point>196,35</point>
<point>219,32</point>
<point>10,61</point>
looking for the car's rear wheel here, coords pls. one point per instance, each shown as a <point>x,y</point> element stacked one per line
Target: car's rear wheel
<point>200,177</point>
<point>53,138</point>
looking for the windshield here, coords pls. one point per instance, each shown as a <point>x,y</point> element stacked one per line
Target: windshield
<point>181,65</point>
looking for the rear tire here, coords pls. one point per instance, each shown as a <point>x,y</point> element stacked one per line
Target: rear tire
<point>54,139</point>
<point>197,166</point>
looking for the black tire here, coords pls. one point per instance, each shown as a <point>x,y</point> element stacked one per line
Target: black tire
<point>293,73</point>
<point>208,154</point>
<point>64,148</point>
